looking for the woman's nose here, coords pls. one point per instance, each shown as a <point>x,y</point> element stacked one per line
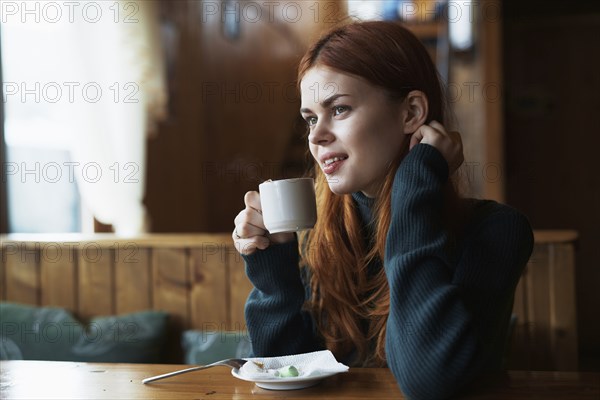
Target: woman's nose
<point>320,134</point>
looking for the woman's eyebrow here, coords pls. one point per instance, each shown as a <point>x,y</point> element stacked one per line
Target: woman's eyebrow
<point>325,103</point>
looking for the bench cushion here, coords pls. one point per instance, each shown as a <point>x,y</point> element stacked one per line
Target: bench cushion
<point>50,333</point>
<point>205,347</point>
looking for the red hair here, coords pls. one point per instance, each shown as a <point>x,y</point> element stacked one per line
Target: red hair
<point>389,56</point>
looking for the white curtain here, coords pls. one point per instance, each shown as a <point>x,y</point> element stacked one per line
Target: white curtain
<point>117,65</point>
<point>85,77</point>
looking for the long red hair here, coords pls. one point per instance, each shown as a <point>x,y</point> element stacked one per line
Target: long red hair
<point>350,307</point>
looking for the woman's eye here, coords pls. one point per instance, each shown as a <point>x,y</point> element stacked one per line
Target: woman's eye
<point>311,121</point>
<point>337,110</point>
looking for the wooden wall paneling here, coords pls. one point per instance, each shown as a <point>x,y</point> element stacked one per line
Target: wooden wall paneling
<point>491,59</point>
<point>221,88</point>
<point>474,93</point>
<point>538,298</point>
<point>23,274</point>
<point>550,185</point>
<point>171,289</point>
<point>58,269</point>
<point>240,288</point>
<point>546,335</point>
<point>133,278</point>
<point>563,318</point>
<point>175,195</point>
<point>171,282</point>
<point>209,296</point>
<point>200,281</point>
<point>96,281</point>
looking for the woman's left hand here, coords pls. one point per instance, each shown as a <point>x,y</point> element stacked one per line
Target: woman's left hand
<point>448,143</point>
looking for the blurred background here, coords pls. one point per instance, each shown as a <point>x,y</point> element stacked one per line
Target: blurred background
<point>157,116</point>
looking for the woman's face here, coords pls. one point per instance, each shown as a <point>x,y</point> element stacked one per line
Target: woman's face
<point>355,130</point>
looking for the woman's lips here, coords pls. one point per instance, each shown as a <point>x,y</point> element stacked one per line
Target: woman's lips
<point>330,167</point>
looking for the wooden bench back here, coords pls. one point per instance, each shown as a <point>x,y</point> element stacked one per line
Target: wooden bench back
<point>545,336</point>
<point>200,280</point>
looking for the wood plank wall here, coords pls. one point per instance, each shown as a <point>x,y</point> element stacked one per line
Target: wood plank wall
<point>545,336</point>
<point>233,118</point>
<point>200,280</point>
<point>551,185</point>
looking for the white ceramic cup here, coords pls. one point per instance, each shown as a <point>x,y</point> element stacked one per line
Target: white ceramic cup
<point>288,205</point>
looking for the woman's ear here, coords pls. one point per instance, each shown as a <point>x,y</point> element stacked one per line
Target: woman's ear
<point>416,111</point>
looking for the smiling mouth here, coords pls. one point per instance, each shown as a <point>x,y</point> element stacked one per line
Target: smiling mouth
<point>332,160</point>
<point>332,164</point>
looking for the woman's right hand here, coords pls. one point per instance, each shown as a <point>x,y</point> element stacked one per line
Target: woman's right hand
<point>250,233</point>
<point>447,143</point>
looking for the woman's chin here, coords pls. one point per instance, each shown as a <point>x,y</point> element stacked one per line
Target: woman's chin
<point>338,188</point>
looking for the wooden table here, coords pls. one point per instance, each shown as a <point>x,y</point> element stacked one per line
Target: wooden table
<point>70,380</point>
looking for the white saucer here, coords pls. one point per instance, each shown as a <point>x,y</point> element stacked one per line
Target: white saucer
<point>284,383</point>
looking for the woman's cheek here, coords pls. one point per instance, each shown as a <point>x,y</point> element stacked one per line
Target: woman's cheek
<point>313,151</point>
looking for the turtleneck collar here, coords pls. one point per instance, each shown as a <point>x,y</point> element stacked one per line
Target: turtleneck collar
<point>363,200</point>
<point>365,208</point>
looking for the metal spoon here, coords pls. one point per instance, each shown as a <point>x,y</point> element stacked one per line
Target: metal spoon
<point>230,362</point>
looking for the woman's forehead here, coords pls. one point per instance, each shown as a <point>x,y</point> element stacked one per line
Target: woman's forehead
<point>320,83</point>
<point>324,75</point>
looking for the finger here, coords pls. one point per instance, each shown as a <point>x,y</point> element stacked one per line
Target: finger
<point>261,242</point>
<point>249,246</point>
<point>454,135</point>
<point>438,127</point>
<point>250,216</point>
<point>424,134</point>
<point>252,199</point>
<point>456,140</point>
<point>249,223</point>
<point>416,138</point>
<point>458,156</point>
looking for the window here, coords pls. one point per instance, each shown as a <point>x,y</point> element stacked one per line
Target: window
<point>42,195</point>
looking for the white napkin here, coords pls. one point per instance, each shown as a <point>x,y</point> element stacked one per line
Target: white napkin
<point>308,365</point>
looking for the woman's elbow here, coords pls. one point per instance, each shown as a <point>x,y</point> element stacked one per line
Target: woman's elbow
<point>415,387</point>
<point>426,376</point>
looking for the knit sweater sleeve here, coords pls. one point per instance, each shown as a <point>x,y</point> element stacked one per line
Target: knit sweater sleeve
<point>277,324</point>
<point>446,318</point>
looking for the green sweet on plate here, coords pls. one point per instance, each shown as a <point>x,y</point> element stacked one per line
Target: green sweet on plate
<point>287,372</point>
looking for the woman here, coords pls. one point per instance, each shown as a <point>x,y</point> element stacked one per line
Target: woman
<point>398,271</point>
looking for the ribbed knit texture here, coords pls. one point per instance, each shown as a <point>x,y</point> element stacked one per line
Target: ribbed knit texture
<point>448,316</point>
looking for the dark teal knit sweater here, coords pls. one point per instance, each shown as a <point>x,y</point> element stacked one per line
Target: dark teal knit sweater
<point>450,303</point>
